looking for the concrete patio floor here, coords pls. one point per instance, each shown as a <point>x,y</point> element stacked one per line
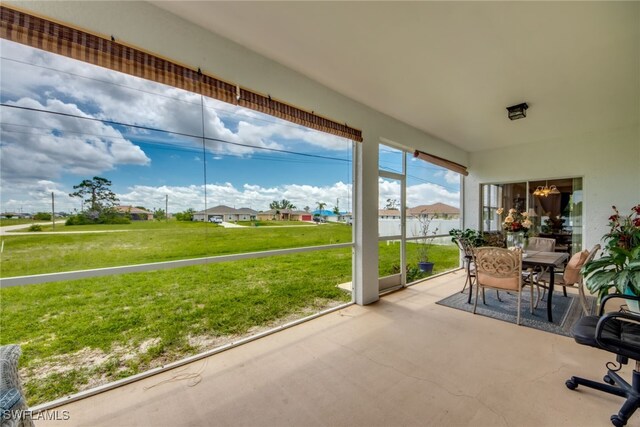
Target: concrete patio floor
<point>401,361</point>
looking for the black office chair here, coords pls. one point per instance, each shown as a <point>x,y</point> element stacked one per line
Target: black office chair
<point>619,333</point>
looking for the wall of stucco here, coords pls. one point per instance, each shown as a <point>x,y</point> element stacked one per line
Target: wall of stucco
<point>609,163</point>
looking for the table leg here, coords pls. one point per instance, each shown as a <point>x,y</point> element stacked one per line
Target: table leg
<point>550,296</point>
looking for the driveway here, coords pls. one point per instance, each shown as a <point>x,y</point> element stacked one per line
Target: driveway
<point>231,225</point>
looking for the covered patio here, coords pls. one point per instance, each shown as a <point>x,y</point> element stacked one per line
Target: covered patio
<point>401,359</point>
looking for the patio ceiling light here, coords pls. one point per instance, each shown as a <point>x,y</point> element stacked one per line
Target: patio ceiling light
<point>518,111</point>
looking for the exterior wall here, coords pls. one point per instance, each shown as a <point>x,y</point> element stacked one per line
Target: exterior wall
<point>143,25</point>
<point>608,162</point>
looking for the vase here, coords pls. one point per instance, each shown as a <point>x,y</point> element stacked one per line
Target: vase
<point>515,239</point>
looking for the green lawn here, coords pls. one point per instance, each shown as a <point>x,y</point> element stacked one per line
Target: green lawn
<point>78,334</point>
<point>275,223</point>
<point>16,221</point>
<point>151,241</point>
<point>74,333</point>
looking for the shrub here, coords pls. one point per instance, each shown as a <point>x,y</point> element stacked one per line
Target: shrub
<point>42,216</point>
<point>35,227</point>
<point>94,217</point>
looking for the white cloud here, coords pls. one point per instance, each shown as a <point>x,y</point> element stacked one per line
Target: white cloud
<point>452,177</point>
<point>37,146</point>
<point>419,194</point>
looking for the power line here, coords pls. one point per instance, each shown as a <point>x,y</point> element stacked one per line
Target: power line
<point>217,109</point>
<point>147,128</point>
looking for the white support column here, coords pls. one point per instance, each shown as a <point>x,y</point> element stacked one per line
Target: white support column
<point>365,260</point>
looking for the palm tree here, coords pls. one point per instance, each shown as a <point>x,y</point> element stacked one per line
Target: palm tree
<point>321,206</point>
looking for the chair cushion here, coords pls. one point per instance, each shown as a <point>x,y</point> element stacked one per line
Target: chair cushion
<point>572,270</point>
<point>622,335</point>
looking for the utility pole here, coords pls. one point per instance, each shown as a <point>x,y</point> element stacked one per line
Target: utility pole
<point>166,208</point>
<point>53,211</point>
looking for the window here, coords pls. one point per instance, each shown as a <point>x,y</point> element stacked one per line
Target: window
<point>196,220</point>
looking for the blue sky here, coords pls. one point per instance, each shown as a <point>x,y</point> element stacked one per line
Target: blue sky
<point>245,163</point>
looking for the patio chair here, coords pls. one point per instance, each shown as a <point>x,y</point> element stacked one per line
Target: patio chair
<point>618,333</point>
<point>530,275</point>
<point>541,244</point>
<point>469,266</point>
<point>571,276</point>
<point>499,269</point>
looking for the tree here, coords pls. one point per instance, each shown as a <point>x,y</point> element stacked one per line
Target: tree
<point>282,204</point>
<point>42,216</point>
<point>96,193</point>
<point>307,208</point>
<point>321,206</point>
<point>186,215</point>
<point>159,214</point>
<point>392,204</point>
<point>336,210</point>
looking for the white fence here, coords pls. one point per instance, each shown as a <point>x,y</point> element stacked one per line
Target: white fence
<point>391,227</point>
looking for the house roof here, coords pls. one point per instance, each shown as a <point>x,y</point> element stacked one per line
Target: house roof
<point>226,210</point>
<point>285,211</point>
<point>133,210</point>
<point>388,212</point>
<point>436,208</point>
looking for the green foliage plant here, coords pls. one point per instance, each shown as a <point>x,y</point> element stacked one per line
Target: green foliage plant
<point>42,216</point>
<point>474,237</point>
<point>619,268</point>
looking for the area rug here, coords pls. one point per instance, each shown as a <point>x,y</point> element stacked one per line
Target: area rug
<point>566,310</point>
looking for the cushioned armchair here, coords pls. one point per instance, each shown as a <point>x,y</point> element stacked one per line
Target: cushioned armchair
<point>571,276</point>
<point>618,333</point>
<point>499,269</point>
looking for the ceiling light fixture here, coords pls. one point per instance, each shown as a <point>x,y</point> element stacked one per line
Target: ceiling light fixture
<point>518,111</point>
<point>545,191</point>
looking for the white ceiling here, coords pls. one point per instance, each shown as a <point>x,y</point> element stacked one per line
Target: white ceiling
<point>451,68</point>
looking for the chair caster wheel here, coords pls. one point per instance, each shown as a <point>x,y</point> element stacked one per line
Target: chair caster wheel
<point>607,379</point>
<point>617,421</point>
<point>571,384</point>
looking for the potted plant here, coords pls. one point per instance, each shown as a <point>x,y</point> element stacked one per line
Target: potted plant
<point>474,237</point>
<point>425,242</point>
<point>619,268</point>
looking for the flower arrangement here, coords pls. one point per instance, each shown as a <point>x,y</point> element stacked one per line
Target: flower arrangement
<point>625,230</point>
<point>619,267</point>
<point>515,221</point>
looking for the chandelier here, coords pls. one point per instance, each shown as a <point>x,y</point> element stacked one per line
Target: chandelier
<point>546,190</point>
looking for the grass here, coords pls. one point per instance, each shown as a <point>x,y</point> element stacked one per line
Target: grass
<point>82,333</point>
<point>77,333</point>
<point>17,221</point>
<point>274,223</point>
<point>151,241</point>
<point>444,257</point>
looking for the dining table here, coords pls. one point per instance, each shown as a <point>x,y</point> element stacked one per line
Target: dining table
<point>545,260</point>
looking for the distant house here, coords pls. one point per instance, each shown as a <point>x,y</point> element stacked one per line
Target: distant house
<point>388,213</point>
<point>136,214</point>
<point>285,215</point>
<point>439,210</point>
<point>226,213</point>
<point>15,215</point>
